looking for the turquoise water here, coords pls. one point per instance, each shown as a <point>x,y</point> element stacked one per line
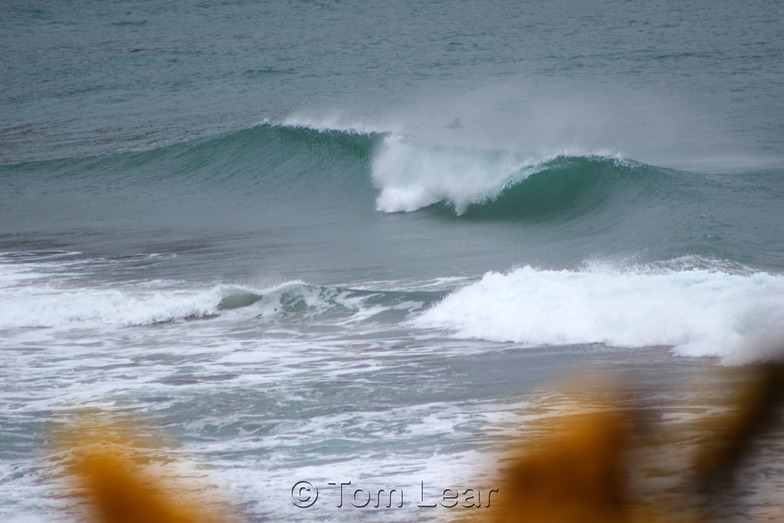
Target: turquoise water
<point>350,240</point>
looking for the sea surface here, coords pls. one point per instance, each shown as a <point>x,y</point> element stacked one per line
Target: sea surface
<point>358,240</point>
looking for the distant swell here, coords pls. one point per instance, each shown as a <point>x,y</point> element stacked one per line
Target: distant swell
<point>265,153</point>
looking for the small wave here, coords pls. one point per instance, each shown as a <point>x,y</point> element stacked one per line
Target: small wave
<point>298,301</point>
<point>698,312</point>
<point>237,300</point>
<point>49,304</point>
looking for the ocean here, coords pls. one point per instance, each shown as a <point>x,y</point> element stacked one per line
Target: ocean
<point>358,242</point>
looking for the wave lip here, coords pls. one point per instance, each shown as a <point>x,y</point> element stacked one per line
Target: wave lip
<point>411,176</point>
<point>331,124</point>
<point>697,312</point>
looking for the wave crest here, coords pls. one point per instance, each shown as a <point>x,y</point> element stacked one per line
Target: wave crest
<point>411,176</point>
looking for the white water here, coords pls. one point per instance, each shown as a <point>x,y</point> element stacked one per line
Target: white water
<point>698,312</point>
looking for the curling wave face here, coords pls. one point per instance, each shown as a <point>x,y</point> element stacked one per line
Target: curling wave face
<point>412,175</point>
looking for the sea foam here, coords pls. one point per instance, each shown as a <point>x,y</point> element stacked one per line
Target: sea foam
<point>698,312</point>
<point>411,176</point>
<point>52,307</point>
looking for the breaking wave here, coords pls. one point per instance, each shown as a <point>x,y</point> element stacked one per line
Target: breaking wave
<point>736,316</point>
